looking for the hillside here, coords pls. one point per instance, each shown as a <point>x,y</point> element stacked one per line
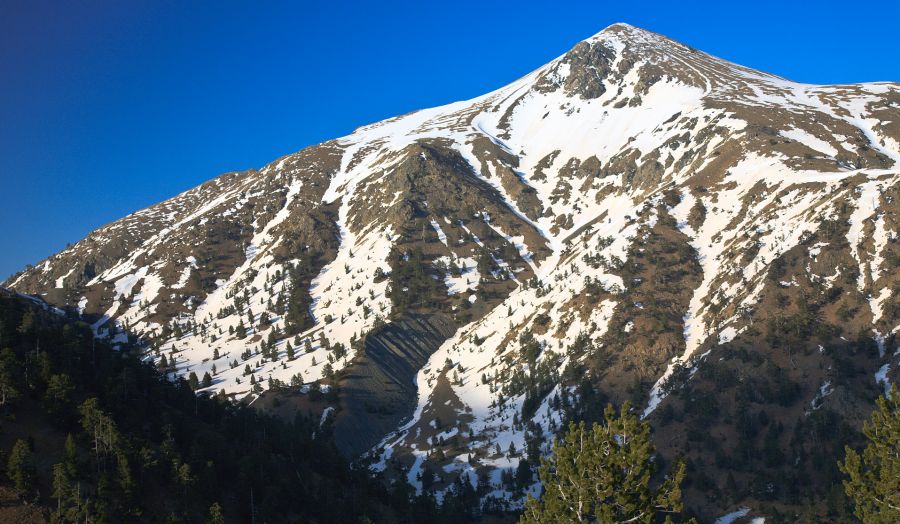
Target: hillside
<point>635,220</point>
<point>110,439</point>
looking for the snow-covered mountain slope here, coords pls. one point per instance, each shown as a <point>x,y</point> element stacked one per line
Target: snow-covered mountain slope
<point>608,226</point>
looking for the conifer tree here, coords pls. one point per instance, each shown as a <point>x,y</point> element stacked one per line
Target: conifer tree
<point>123,472</point>
<point>70,458</point>
<point>100,427</point>
<point>58,396</point>
<point>215,514</point>
<point>183,477</point>
<point>20,468</point>
<point>8,389</point>
<point>874,483</point>
<point>27,324</point>
<point>602,474</point>
<point>62,486</point>
<point>193,381</point>
<point>485,262</point>
<point>240,331</point>
<point>290,351</point>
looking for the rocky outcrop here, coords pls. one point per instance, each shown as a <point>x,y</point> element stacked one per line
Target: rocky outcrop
<point>378,391</point>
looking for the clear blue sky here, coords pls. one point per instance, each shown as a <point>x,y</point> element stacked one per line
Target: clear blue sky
<point>107,107</point>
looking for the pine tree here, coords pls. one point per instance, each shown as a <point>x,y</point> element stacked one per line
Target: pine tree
<point>184,477</point>
<point>8,389</point>
<point>290,351</point>
<point>58,396</point>
<point>297,317</point>
<point>193,381</point>
<point>207,380</point>
<point>123,473</point>
<point>215,514</point>
<point>70,459</point>
<point>101,429</point>
<point>485,262</point>
<point>602,474</point>
<point>62,487</point>
<point>20,467</point>
<point>27,324</point>
<point>874,483</point>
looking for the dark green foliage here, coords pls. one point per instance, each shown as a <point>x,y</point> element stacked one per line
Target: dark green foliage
<point>193,381</point>
<point>874,476</point>
<point>289,349</point>
<point>411,284</point>
<point>9,387</point>
<point>539,378</point>
<point>297,317</point>
<point>215,515</point>
<point>58,396</point>
<point>20,468</point>
<point>143,448</point>
<point>602,474</point>
<point>240,331</point>
<point>485,262</point>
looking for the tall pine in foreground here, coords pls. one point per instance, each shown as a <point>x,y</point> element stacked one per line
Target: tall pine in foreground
<point>874,483</point>
<point>602,474</point>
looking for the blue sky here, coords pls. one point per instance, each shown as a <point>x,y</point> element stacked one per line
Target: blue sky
<point>107,107</point>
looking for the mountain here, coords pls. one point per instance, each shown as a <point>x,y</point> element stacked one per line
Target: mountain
<point>635,220</point>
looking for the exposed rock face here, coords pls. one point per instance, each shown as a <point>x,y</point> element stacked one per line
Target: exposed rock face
<point>378,392</point>
<point>581,72</point>
<point>636,220</point>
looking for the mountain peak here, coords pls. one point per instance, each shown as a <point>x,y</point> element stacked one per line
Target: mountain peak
<point>619,27</point>
<point>473,275</point>
<point>605,60</point>
<point>627,35</point>
<point>623,54</point>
